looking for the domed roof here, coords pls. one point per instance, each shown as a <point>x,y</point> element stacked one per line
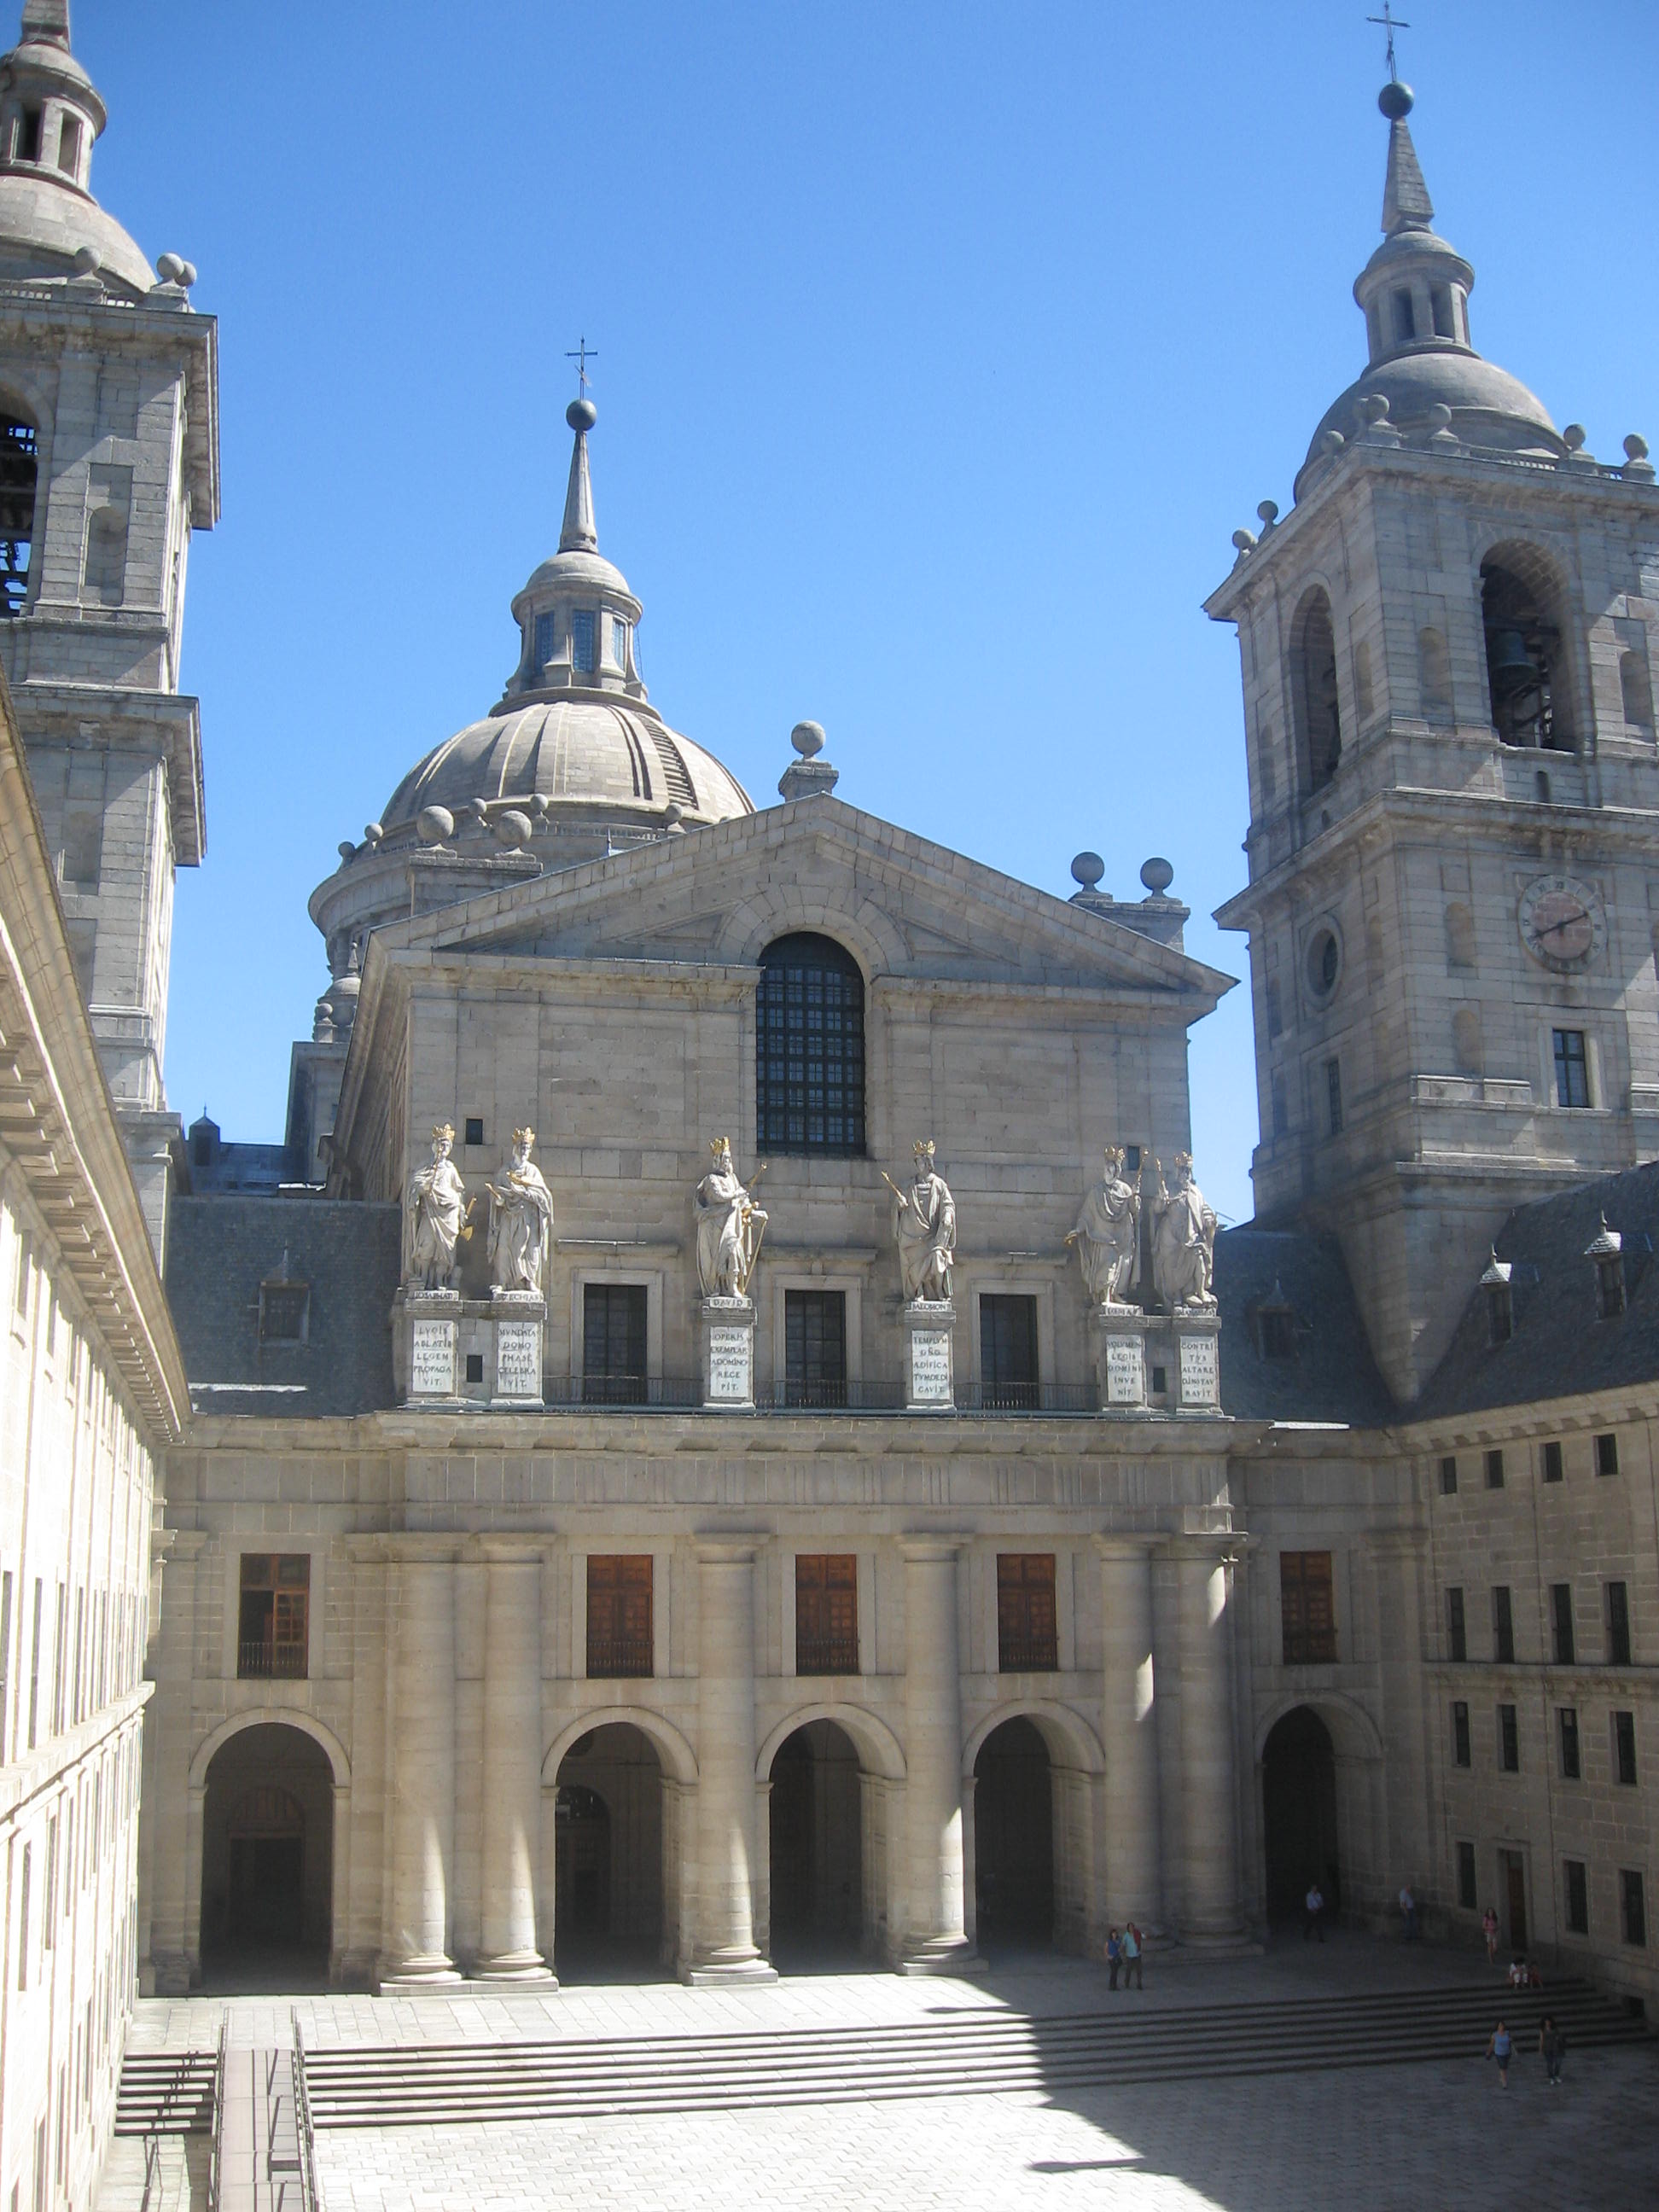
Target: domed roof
<point>1489,407</point>
<point>44,224</point>
<point>580,753</point>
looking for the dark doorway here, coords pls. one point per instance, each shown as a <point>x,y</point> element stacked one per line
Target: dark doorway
<point>607,1831</point>
<point>1515,1899</point>
<point>1298,1807</point>
<point>816,1850</point>
<point>1014,1837</point>
<point>267,1861</point>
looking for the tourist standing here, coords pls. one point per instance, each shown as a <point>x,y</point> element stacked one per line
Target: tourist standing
<point>1113,1954</point>
<point>1408,1910</point>
<point>1314,1907</point>
<point>1500,2048</point>
<point>1552,2047</point>
<point>1132,1956</point>
<point>1489,1929</point>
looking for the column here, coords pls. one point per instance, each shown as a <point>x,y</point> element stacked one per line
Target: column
<point>1129,1732</point>
<point>175,1945</point>
<point>935,1939</point>
<point>723,1948</point>
<point>424,1773</point>
<point>1210,1846</point>
<point>512,1766</point>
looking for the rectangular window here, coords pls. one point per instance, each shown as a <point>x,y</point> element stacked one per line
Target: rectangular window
<point>619,642</point>
<point>1502,1627</point>
<point>1467,1896</point>
<point>809,1049</point>
<point>1306,1613</point>
<point>1333,1095</point>
<point>582,641</point>
<point>1624,1749</point>
<point>34,1667</point>
<point>1617,1625</point>
<point>1495,1469</point>
<point>1280,1107</point>
<point>1571,1068</point>
<point>815,1347</point>
<point>1561,1622</point>
<point>49,1902</point>
<point>1553,1468</point>
<point>1456,1628</point>
<point>58,1655</point>
<point>5,1659</point>
<point>1607,1454</point>
<point>619,1625</point>
<point>23,1920</point>
<point>547,627</point>
<point>283,1309</point>
<point>1461,1733</point>
<point>472,1129</point>
<point>1008,1350</point>
<point>826,1613</point>
<point>1566,1722</point>
<point>613,1343</point>
<point>69,144</point>
<point>20,1287</point>
<point>1509,1741</point>
<point>1405,317</point>
<point>1448,1477</point>
<point>29,134</point>
<point>1575,1895</point>
<point>1028,1632</point>
<point>273,1631</point>
<point>1632,1905</point>
<point>1610,1285</point>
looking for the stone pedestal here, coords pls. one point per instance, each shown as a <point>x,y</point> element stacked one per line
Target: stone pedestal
<point>449,1351</point>
<point>934,1939</point>
<point>723,1946</point>
<point>426,1347</point>
<point>1196,1376</point>
<point>517,1320</point>
<point>725,1331</point>
<point>1118,1346</point>
<point>512,1766</point>
<point>929,1356</point>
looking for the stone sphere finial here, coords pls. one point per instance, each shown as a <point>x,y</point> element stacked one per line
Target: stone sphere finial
<point>1573,437</point>
<point>1636,447</point>
<point>581,414</point>
<point>168,267</point>
<point>1267,513</point>
<point>86,261</point>
<point>1158,875</point>
<point>434,824</point>
<point>1244,540</point>
<point>1087,869</point>
<point>1374,407</point>
<point>1396,101</point>
<point>186,274</point>
<point>807,739</point>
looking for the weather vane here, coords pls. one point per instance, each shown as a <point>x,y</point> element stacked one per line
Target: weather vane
<point>1388,21</point>
<point>581,353</point>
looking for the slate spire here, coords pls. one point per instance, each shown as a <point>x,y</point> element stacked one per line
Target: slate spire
<point>580,532</point>
<point>1406,201</point>
<point>46,19</point>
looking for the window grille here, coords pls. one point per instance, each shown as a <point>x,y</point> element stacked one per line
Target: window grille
<point>273,1631</point>
<point>1571,1068</point>
<point>1027,1622</point>
<point>826,1613</point>
<point>613,1343</point>
<point>619,1617</point>
<point>1007,1350</point>
<point>815,1347</point>
<point>809,1049</point>
<point>1308,1614</point>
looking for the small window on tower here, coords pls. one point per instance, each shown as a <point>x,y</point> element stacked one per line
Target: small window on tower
<point>619,642</point>
<point>1571,1068</point>
<point>18,463</point>
<point>582,641</point>
<point>1333,1095</point>
<point>68,145</point>
<point>1404,318</point>
<point>546,635</point>
<point>29,134</point>
<point>1440,301</point>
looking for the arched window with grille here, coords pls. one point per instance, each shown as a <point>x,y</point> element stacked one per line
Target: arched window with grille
<point>18,467</point>
<point>809,1047</point>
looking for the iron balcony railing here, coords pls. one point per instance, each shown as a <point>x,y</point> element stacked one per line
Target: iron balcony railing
<point>826,1654</point>
<point>811,1394</point>
<point>258,1662</point>
<point>1027,1655</point>
<point>613,1657</point>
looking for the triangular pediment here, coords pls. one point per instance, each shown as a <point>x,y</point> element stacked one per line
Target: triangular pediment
<point>716,897</point>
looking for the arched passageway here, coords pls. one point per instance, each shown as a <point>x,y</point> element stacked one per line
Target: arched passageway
<point>1014,1837</point>
<point>608,1855</point>
<point>1298,1813</point>
<point>268,1859</point>
<point>817,1821</point>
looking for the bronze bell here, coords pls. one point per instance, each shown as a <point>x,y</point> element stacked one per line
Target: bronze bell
<point>1512,668</point>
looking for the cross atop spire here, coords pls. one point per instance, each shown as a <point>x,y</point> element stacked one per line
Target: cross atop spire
<point>581,353</point>
<point>1388,21</point>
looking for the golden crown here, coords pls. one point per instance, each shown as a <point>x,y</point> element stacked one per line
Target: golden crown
<point>1183,1159</point>
<point>443,1133</point>
<point>525,1136</point>
<point>925,1149</point>
<point>719,1145</point>
<point>1114,1155</point>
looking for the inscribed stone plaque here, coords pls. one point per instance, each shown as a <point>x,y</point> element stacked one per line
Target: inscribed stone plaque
<point>731,1366</point>
<point>930,1366</point>
<point>518,1359</point>
<point>1125,1372</point>
<point>432,1359</point>
<point>1200,1372</point>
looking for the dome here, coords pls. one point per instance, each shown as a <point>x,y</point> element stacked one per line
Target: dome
<point>584,754</point>
<point>1489,407</point>
<point>43,224</point>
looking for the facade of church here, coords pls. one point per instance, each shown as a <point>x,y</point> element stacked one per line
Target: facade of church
<point>913,1529</point>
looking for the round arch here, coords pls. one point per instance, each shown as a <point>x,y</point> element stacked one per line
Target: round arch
<point>877,1746</point>
<point>776,910</point>
<point>1070,1741</point>
<point>1354,1733</point>
<point>679,1761</point>
<point>272,1717</point>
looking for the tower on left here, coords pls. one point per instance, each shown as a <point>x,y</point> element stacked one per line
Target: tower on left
<point>109,458</point>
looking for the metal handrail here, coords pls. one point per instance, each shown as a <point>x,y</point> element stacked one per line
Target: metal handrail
<point>215,2165</point>
<point>302,2114</point>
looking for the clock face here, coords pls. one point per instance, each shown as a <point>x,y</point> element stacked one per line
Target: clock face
<point>1563,922</point>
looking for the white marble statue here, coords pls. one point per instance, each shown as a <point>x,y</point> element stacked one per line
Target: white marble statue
<point>925,1226</point>
<point>730,1227</point>
<point>434,1219</point>
<point>1183,1241</point>
<point>520,1223</point>
<point>1108,1235</point>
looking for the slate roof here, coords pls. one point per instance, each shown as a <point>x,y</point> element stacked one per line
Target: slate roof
<point>1332,1375</point>
<point>1559,1347</point>
<point>346,1252</point>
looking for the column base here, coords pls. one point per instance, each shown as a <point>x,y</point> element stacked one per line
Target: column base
<point>431,1972</point>
<point>722,1974</point>
<point>516,1967</point>
<point>1225,1943</point>
<point>953,1956</point>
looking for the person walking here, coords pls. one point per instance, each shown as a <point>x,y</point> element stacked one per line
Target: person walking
<point>1313,1905</point>
<point>1489,1929</point>
<point>1408,1910</point>
<point>1553,2047</point>
<point>1501,2047</point>
<point>1113,1953</point>
<point>1131,1947</point>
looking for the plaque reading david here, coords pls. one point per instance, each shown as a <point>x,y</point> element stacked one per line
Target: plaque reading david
<point>518,1359</point>
<point>731,1366</point>
<point>1200,1371</point>
<point>930,1366</point>
<point>432,1359</point>
<point>1125,1372</point>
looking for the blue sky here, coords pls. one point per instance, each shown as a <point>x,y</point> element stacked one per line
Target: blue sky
<point>940,351</point>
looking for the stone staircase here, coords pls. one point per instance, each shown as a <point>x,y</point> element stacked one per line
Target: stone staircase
<point>166,2093</point>
<point>975,2052</point>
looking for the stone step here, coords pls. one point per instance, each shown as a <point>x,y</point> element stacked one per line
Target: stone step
<point>428,2084</point>
<point>165,2093</point>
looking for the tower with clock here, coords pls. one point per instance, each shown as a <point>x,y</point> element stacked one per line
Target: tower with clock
<point>1448,648</point>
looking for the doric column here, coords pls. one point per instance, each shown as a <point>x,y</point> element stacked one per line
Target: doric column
<point>511,1764</point>
<point>723,1946</point>
<point>935,1939</point>
<point>1210,1843</point>
<point>422,1761</point>
<point>1129,1732</point>
<point>175,1945</point>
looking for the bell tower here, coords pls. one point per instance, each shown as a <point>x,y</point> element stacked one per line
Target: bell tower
<point>1448,649</point>
<point>109,458</point>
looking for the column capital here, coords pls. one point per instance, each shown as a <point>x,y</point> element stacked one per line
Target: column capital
<point>935,1546</point>
<point>180,1544</point>
<point>409,1548</point>
<point>729,1551</point>
<point>510,1550</point>
<point>1126,1543</point>
<point>1220,1546</point>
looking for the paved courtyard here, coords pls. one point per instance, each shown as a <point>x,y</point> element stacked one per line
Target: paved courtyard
<point>1438,2134</point>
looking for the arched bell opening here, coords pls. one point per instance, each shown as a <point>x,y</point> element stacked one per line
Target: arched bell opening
<point>608,1839</point>
<point>1527,678</point>
<point>1314,699</point>
<point>267,1861</point>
